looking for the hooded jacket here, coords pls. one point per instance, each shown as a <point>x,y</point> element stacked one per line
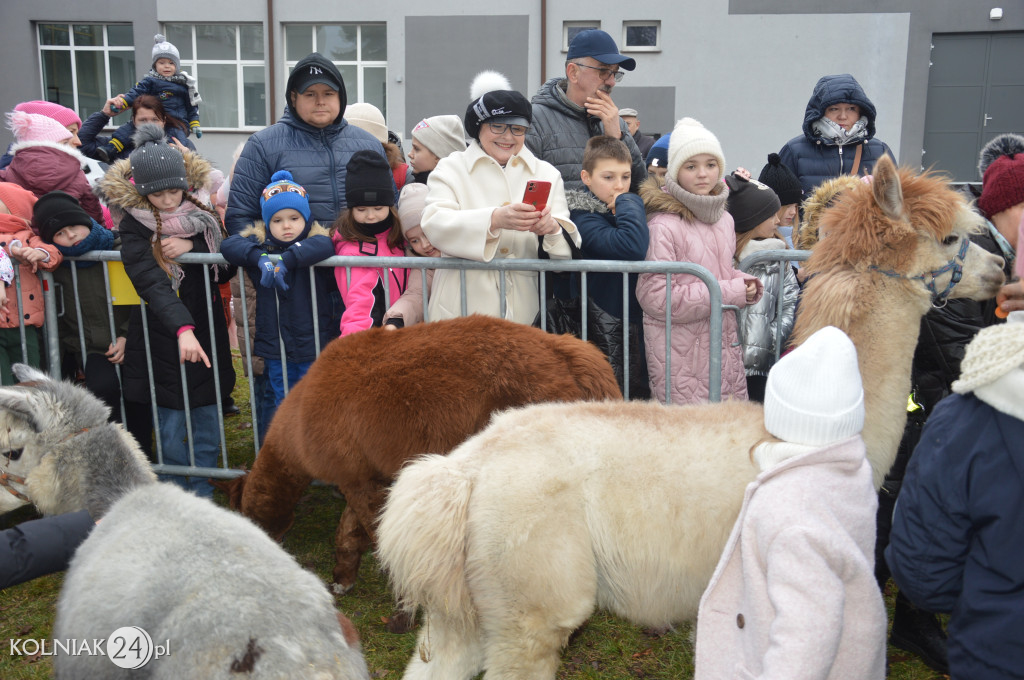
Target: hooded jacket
<point>561,129</point>
<point>678,236</point>
<point>42,167</point>
<point>286,316</point>
<point>167,311</point>
<point>316,157</point>
<point>814,158</point>
<point>17,227</point>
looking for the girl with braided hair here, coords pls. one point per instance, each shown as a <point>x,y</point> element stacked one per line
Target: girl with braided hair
<point>159,198</point>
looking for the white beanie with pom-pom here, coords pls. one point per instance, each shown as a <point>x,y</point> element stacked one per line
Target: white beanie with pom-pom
<point>690,138</point>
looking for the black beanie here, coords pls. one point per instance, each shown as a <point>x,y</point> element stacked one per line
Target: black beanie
<point>368,180</point>
<point>498,106</point>
<point>750,202</point>
<point>57,210</point>
<point>781,179</point>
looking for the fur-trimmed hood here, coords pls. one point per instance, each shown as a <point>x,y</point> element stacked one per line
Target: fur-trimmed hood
<point>822,198</point>
<point>585,200</point>
<point>117,190</point>
<point>756,246</point>
<point>658,200</point>
<point>258,229</point>
<point>64,148</point>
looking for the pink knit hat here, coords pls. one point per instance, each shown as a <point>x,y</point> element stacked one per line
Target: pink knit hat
<point>33,127</point>
<point>61,114</point>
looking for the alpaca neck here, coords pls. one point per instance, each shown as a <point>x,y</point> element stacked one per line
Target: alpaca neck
<point>103,479</point>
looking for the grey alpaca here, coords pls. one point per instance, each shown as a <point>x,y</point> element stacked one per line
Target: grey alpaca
<point>228,599</point>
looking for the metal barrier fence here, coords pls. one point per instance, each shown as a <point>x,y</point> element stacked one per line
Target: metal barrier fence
<point>418,267</point>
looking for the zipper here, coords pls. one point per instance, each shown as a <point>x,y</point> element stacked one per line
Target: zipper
<point>842,170</point>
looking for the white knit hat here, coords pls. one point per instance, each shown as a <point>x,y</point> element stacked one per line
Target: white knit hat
<point>442,135</point>
<point>690,138</point>
<point>814,394</point>
<point>368,117</point>
<point>994,352</point>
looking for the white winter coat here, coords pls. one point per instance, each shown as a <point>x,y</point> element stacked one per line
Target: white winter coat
<point>464,189</point>
<point>794,595</point>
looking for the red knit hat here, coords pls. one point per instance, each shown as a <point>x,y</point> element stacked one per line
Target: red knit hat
<point>18,201</point>
<point>1003,185</point>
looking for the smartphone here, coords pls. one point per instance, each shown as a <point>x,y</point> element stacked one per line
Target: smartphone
<point>536,193</point>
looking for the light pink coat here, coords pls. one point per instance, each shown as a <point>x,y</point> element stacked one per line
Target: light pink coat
<point>678,236</point>
<point>794,595</point>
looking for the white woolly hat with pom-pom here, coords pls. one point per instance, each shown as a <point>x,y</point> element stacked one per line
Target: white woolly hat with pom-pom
<point>690,138</point>
<point>494,100</point>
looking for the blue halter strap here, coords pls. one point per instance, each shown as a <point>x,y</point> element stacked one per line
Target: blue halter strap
<point>956,265</point>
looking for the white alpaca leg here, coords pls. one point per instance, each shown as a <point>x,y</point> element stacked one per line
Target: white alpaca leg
<point>445,652</point>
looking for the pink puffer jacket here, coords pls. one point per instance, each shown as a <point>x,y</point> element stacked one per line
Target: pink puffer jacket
<point>678,236</point>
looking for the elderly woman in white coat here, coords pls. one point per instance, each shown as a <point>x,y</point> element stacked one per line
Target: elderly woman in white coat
<point>794,595</point>
<point>475,210</point>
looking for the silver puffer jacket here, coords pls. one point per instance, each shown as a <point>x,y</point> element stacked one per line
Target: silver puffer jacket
<point>758,327</point>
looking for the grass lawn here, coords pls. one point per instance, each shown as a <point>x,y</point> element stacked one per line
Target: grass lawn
<point>605,647</point>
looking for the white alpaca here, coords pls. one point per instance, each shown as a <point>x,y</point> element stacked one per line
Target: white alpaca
<point>228,599</point>
<point>511,541</point>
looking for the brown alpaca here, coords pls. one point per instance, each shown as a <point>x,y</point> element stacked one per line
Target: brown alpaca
<point>885,241</point>
<point>377,398</point>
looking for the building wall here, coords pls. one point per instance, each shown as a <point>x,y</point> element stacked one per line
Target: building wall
<point>744,68</point>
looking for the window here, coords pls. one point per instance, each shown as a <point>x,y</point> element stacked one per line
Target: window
<point>84,64</point>
<point>571,28</point>
<point>360,51</point>
<point>641,36</point>
<point>228,62</point>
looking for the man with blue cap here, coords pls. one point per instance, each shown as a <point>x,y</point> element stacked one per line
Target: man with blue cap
<point>568,111</point>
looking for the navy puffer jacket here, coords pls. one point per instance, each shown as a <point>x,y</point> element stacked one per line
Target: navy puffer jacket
<point>316,157</point>
<point>813,158</point>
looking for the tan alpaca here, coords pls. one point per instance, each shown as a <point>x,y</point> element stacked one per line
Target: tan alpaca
<point>880,236</point>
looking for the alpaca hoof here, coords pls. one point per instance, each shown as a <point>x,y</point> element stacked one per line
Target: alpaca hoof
<point>341,588</point>
<point>400,622</point>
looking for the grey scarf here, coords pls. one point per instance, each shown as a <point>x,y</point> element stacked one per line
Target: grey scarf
<point>708,209</point>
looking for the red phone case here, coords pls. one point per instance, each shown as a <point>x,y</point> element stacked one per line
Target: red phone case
<point>536,193</point>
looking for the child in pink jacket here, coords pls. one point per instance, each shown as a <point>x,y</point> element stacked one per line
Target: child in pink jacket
<point>688,223</point>
<point>25,247</point>
<point>794,595</point>
<point>370,227</point>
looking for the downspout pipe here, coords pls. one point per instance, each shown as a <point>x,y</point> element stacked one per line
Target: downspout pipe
<point>271,62</point>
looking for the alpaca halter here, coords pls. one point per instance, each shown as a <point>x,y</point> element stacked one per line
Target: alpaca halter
<point>956,264</point>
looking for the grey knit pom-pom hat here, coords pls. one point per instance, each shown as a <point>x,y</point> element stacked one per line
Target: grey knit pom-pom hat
<point>155,164</point>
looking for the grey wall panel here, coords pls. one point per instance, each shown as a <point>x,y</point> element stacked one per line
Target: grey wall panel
<point>444,53</point>
<point>656,106</point>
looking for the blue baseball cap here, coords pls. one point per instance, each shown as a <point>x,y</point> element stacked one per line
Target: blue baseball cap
<point>597,44</point>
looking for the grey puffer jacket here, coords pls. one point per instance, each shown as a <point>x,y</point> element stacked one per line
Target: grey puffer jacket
<point>560,131</point>
<point>760,323</point>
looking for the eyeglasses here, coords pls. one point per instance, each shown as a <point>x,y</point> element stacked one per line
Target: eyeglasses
<point>499,129</point>
<point>605,73</point>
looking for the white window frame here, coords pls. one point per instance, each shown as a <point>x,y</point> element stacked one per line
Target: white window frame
<point>195,64</point>
<point>106,48</point>
<point>359,63</point>
<point>624,47</point>
<point>566,25</point>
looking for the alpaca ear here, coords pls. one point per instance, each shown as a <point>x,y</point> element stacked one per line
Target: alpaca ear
<point>887,190</point>
<point>24,403</point>
<point>25,373</point>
